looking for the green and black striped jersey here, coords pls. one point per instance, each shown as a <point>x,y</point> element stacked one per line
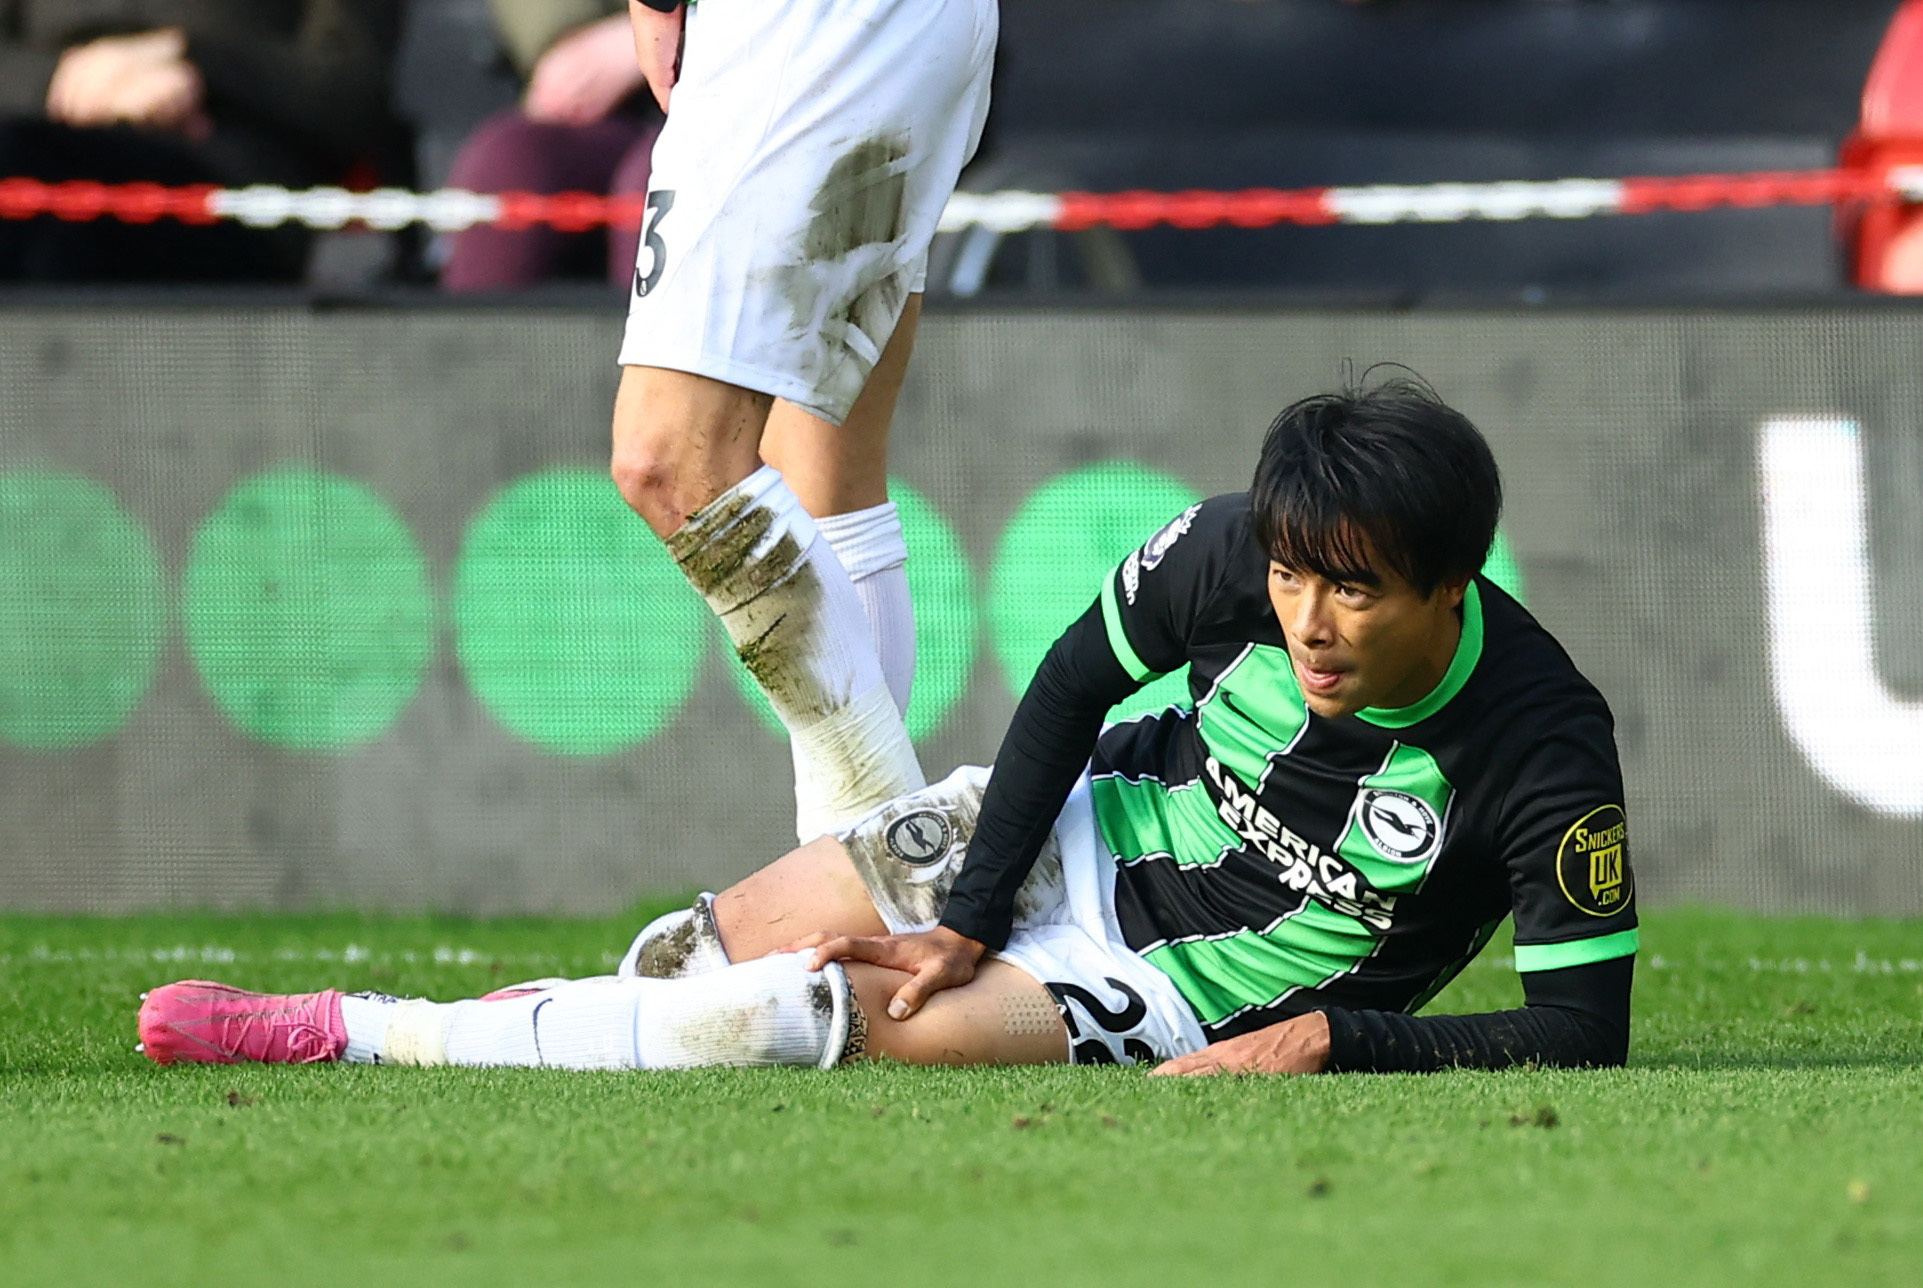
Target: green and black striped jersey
<point>1274,862</point>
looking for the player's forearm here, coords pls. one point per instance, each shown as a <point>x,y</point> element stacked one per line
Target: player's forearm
<point>1575,1018</point>
<point>1044,752</point>
<point>1391,1042</point>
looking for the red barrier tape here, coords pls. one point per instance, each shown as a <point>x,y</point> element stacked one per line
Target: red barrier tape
<point>1785,188</point>
<point>1251,208</point>
<point>133,203</point>
<point>570,212</point>
<point>141,203</point>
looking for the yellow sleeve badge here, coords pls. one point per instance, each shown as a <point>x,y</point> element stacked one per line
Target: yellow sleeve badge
<point>1592,864</point>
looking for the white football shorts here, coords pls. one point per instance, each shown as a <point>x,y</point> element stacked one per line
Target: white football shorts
<point>1118,1007</point>
<point>808,152</point>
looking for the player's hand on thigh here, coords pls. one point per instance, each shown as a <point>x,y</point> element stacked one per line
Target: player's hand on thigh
<point>937,959</point>
<point>657,45</point>
<point>1298,1045</point>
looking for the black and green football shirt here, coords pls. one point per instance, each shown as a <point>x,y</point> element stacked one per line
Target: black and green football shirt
<point>1273,862</point>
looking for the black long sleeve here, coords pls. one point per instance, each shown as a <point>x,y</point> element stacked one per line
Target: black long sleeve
<point>1046,748</point>
<point>1573,1017</point>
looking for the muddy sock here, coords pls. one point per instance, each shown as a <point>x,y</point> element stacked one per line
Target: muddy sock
<point>773,1011</point>
<point>677,944</point>
<point>770,1011</point>
<point>796,622</point>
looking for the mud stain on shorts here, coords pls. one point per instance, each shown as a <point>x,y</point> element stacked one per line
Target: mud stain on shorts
<point>862,199</point>
<point>847,280</point>
<point>909,876</point>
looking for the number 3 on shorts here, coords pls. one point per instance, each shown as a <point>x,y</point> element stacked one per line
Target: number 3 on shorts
<point>659,204</point>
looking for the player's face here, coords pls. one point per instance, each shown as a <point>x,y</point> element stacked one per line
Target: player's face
<point>1372,641</point>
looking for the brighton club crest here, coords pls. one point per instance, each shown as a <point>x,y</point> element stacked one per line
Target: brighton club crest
<point>920,838</point>
<point>1401,827</point>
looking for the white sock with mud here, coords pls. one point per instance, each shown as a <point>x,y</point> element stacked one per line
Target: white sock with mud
<point>677,944</point>
<point>772,1011</point>
<point>796,621</point>
<point>870,546</point>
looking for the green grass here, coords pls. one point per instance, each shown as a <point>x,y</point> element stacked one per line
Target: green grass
<point>1768,1131</point>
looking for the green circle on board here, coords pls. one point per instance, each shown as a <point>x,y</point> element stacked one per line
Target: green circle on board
<point>1501,567</point>
<point>1049,565</point>
<point>308,611</point>
<point>83,611</point>
<point>574,626</point>
<point>941,586</point>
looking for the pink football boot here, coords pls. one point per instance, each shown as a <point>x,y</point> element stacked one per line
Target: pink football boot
<point>204,1023</point>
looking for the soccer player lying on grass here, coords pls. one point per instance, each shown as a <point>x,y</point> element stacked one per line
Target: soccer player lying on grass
<point>1385,756</point>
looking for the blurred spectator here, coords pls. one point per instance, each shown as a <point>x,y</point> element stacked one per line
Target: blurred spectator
<point>180,92</point>
<point>585,123</point>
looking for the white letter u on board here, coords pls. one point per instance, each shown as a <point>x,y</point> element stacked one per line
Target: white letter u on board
<point>1862,739</point>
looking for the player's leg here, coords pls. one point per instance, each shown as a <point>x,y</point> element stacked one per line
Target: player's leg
<point>681,440</point>
<point>840,473</point>
<point>774,1011</point>
<point>780,259</point>
<point>889,870</point>
<point>1002,1016</point>
<point>811,888</point>
<point>769,1012</point>
<point>839,469</point>
<point>685,458</point>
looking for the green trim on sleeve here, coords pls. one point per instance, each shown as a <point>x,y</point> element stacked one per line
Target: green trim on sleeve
<point>1577,952</point>
<point>1117,637</point>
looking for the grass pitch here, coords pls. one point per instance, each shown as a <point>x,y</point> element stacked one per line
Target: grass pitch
<point>1768,1131</point>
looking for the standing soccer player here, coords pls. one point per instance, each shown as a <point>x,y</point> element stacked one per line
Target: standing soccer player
<point>809,150</point>
<point>1385,756</point>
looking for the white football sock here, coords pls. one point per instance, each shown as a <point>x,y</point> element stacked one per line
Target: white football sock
<point>871,548</point>
<point>795,620</point>
<point>772,1011</point>
<point>677,944</point>
<point>365,1017</point>
<point>582,1024</point>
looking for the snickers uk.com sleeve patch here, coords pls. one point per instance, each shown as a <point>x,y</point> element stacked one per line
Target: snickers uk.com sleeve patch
<point>1592,864</point>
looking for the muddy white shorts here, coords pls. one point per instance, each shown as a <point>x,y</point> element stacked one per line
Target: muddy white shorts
<point>809,150</point>
<point>1118,1008</point>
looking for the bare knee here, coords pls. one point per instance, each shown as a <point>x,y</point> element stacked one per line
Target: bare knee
<point>680,440</point>
<point>648,481</point>
<point>655,471</point>
<point>811,889</point>
<point>1004,1016</point>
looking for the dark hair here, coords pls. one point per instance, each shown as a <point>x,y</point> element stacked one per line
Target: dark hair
<point>1387,469</point>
